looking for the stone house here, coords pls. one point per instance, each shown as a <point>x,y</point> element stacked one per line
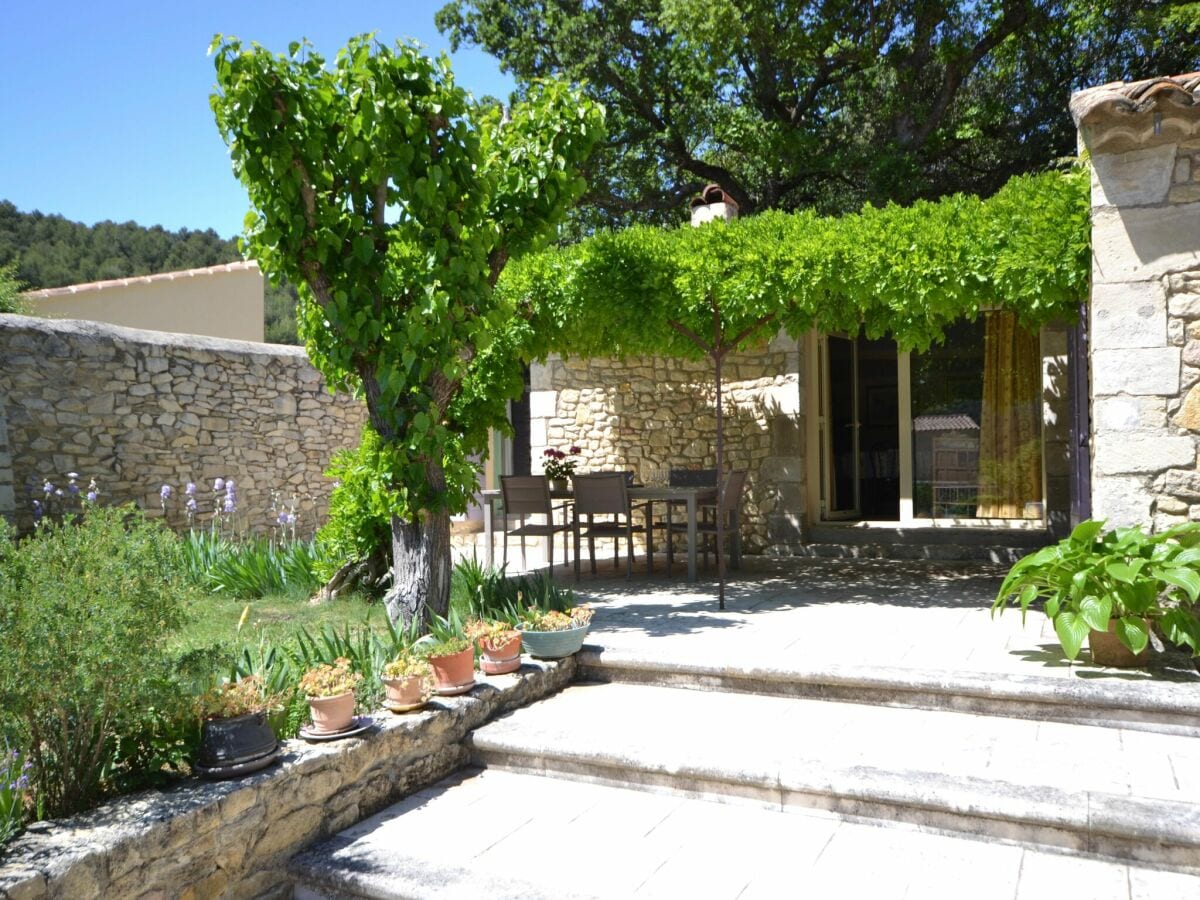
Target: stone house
<point>992,442</point>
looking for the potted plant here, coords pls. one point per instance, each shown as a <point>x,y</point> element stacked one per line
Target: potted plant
<point>559,466</point>
<point>551,634</point>
<point>330,693</point>
<point>404,682</point>
<point>452,659</point>
<point>1109,587</point>
<point>499,645</point>
<point>235,737</point>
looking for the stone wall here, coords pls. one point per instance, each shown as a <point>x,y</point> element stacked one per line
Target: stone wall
<point>136,409</point>
<point>1144,141</point>
<point>649,414</point>
<point>233,839</point>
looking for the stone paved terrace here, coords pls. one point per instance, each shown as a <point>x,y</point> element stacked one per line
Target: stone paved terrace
<point>791,613</point>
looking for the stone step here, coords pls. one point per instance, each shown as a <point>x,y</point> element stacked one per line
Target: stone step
<point>1105,792</point>
<point>1108,700</point>
<point>894,535</point>
<point>498,834</point>
<point>941,552</point>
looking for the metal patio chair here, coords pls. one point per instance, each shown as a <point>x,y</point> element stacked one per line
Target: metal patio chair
<point>728,506</point>
<point>529,495</point>
<point>604,494</point>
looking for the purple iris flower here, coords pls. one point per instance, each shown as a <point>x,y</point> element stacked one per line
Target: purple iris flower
<point>165,493</point>
<point>191,504</point>
<point>190,490</point>
<point>91,496</point>
<point>219,484</point>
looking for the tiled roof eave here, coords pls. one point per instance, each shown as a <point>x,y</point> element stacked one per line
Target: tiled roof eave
<point>1174,94</point>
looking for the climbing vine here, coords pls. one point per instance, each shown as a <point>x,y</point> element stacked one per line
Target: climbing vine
<point>905,271</point>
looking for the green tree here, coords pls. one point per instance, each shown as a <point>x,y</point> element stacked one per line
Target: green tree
<point>826,104</point>
<point>395,201</point>
<point>10,290</point>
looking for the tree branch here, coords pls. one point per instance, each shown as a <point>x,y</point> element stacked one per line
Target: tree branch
<point>748,330</point>
<point>690,335</point>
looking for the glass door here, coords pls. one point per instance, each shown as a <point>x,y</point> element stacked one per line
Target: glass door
<point>840,421</point>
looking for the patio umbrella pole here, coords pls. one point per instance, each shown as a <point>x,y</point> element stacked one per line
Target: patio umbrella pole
<point>718,357</point>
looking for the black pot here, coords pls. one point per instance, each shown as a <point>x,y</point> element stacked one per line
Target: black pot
<point>231,742</point>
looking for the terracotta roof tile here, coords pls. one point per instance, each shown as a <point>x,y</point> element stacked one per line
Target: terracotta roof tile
<point>247,265</point>
<point>1152,94</point>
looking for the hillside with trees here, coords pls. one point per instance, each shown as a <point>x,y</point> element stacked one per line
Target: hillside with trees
<point>47,251</point>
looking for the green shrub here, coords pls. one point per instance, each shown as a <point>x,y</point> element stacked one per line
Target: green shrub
<point>359,528</point>
<point>85,681</point>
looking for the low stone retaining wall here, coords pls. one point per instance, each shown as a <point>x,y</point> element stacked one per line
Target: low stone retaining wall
<point>232,839</point>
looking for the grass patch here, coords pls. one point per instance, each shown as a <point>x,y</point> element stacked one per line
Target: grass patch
<point>276,618</point>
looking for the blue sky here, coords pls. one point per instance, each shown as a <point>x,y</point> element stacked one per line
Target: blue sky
<point>104,105</point>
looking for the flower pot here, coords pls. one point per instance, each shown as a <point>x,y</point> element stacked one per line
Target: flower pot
<point>560,484</point>
<point>236,740</point>
<point>454,674</point>
<point>403,694</point>
<point>553,644</point>
<point>331,714</point>
<point>503,659</point>
<point>1107,649</point>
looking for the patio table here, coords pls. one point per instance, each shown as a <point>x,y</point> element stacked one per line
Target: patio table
<point>693,496</point>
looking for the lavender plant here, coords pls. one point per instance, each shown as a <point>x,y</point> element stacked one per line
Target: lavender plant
<point>16,792</point>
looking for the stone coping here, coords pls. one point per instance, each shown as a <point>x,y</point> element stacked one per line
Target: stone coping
<point>233,838</point>
<point>1171,705</point>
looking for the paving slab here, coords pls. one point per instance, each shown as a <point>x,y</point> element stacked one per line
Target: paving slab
<point>870,613</point>
<point>453,841</point>
<point>1073,786</point>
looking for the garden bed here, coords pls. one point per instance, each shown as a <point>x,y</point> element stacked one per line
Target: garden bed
<point>234,838</point>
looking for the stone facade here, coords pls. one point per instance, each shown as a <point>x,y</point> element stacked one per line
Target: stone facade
<point>137,409</point>
<point>1144,141</point>
<point>648,414</point>
<point>233,839</point>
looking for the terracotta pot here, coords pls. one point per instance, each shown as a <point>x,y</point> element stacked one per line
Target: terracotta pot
<point>331,714</point>
<point>502,660</point>
<point>406,692</point>
<point>1107,649</point>
<point>454,673</point>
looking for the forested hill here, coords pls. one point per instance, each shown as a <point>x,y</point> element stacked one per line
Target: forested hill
<point>51,251</point>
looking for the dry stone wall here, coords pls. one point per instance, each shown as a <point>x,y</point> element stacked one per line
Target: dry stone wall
<point>138,409</point>
<point>649,414</point>
<point>233,839</point>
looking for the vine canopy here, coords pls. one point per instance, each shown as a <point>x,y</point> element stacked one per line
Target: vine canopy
<point>905,271</point>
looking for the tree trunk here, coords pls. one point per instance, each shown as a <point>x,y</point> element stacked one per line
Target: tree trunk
<point>718,359</point>
<point>421,562</point>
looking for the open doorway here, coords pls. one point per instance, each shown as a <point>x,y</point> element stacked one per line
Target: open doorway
<point>861,433</point>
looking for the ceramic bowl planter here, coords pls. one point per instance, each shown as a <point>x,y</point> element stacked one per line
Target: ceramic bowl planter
<point>453,673</point>
<point>503,659</point>
<point>236,745</point>
<point>236,737</point>
<point>1107,649</point>
<point>331,714</point>
<point>553,644</point>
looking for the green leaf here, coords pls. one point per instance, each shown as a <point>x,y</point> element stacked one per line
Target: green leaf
<point>1133,633</point>
<point>1085,533</point>
<point>1123,571</point>
<point>1096,611</point>
<point>1072,630</point>
<point>1181,577</point>
<point>1181,627</point>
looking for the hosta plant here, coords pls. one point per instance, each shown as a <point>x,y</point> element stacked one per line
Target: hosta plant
<point>1124,575</point>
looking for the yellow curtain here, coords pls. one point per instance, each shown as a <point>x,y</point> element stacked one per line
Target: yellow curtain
<point>1010,452</point>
